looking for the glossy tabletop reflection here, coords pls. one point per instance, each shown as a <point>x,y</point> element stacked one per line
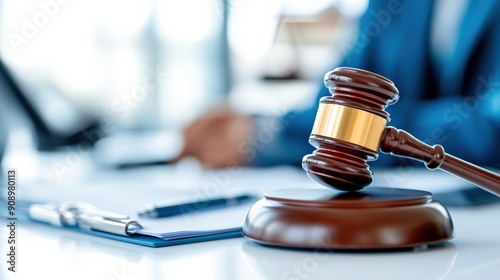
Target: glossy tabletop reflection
<point>47,252</point>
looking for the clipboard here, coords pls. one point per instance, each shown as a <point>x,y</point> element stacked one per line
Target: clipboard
<point>155,242</point>
<point>87,219</point>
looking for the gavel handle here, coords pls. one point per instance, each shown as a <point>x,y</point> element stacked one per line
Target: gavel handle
<point>401,143</point>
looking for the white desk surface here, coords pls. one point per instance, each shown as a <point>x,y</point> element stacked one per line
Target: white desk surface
<point>49,253</point>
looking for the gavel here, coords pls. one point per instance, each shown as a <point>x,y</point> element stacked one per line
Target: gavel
<point>351,127</point>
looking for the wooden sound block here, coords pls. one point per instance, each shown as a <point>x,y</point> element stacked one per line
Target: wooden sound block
<point>373,218</point>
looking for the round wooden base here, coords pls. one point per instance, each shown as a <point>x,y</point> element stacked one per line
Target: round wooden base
<point>372,218</point>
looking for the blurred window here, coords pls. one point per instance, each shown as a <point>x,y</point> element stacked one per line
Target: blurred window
<point>153,63</point>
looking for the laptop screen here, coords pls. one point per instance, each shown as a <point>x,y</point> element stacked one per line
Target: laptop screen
<point>19,101</point>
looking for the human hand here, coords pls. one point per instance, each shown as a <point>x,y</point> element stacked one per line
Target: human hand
<point>214,138</point>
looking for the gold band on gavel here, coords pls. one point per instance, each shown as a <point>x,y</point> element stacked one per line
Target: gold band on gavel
<point>349,124</point>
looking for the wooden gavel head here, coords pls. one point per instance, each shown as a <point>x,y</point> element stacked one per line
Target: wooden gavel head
<point>351,127</point>
<point>348,128</point>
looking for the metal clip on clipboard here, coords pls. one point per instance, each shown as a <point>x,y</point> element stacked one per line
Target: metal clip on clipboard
<point>84,215</point>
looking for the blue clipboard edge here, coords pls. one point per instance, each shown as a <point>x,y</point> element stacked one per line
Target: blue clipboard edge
<point>148,241</point>
<point>155,242</point>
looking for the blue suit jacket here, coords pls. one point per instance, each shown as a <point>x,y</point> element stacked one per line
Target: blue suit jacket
<point>457,106</point>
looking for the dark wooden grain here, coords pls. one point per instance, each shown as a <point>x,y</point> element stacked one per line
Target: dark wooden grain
<point>343,166</point>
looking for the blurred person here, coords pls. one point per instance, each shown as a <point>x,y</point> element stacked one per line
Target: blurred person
<point>444,58</point>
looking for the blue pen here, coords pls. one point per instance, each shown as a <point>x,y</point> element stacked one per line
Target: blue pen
<point>169,209</point>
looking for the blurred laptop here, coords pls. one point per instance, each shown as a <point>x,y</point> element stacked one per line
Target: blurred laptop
<point>50,134</point>
<point>121,149</point>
